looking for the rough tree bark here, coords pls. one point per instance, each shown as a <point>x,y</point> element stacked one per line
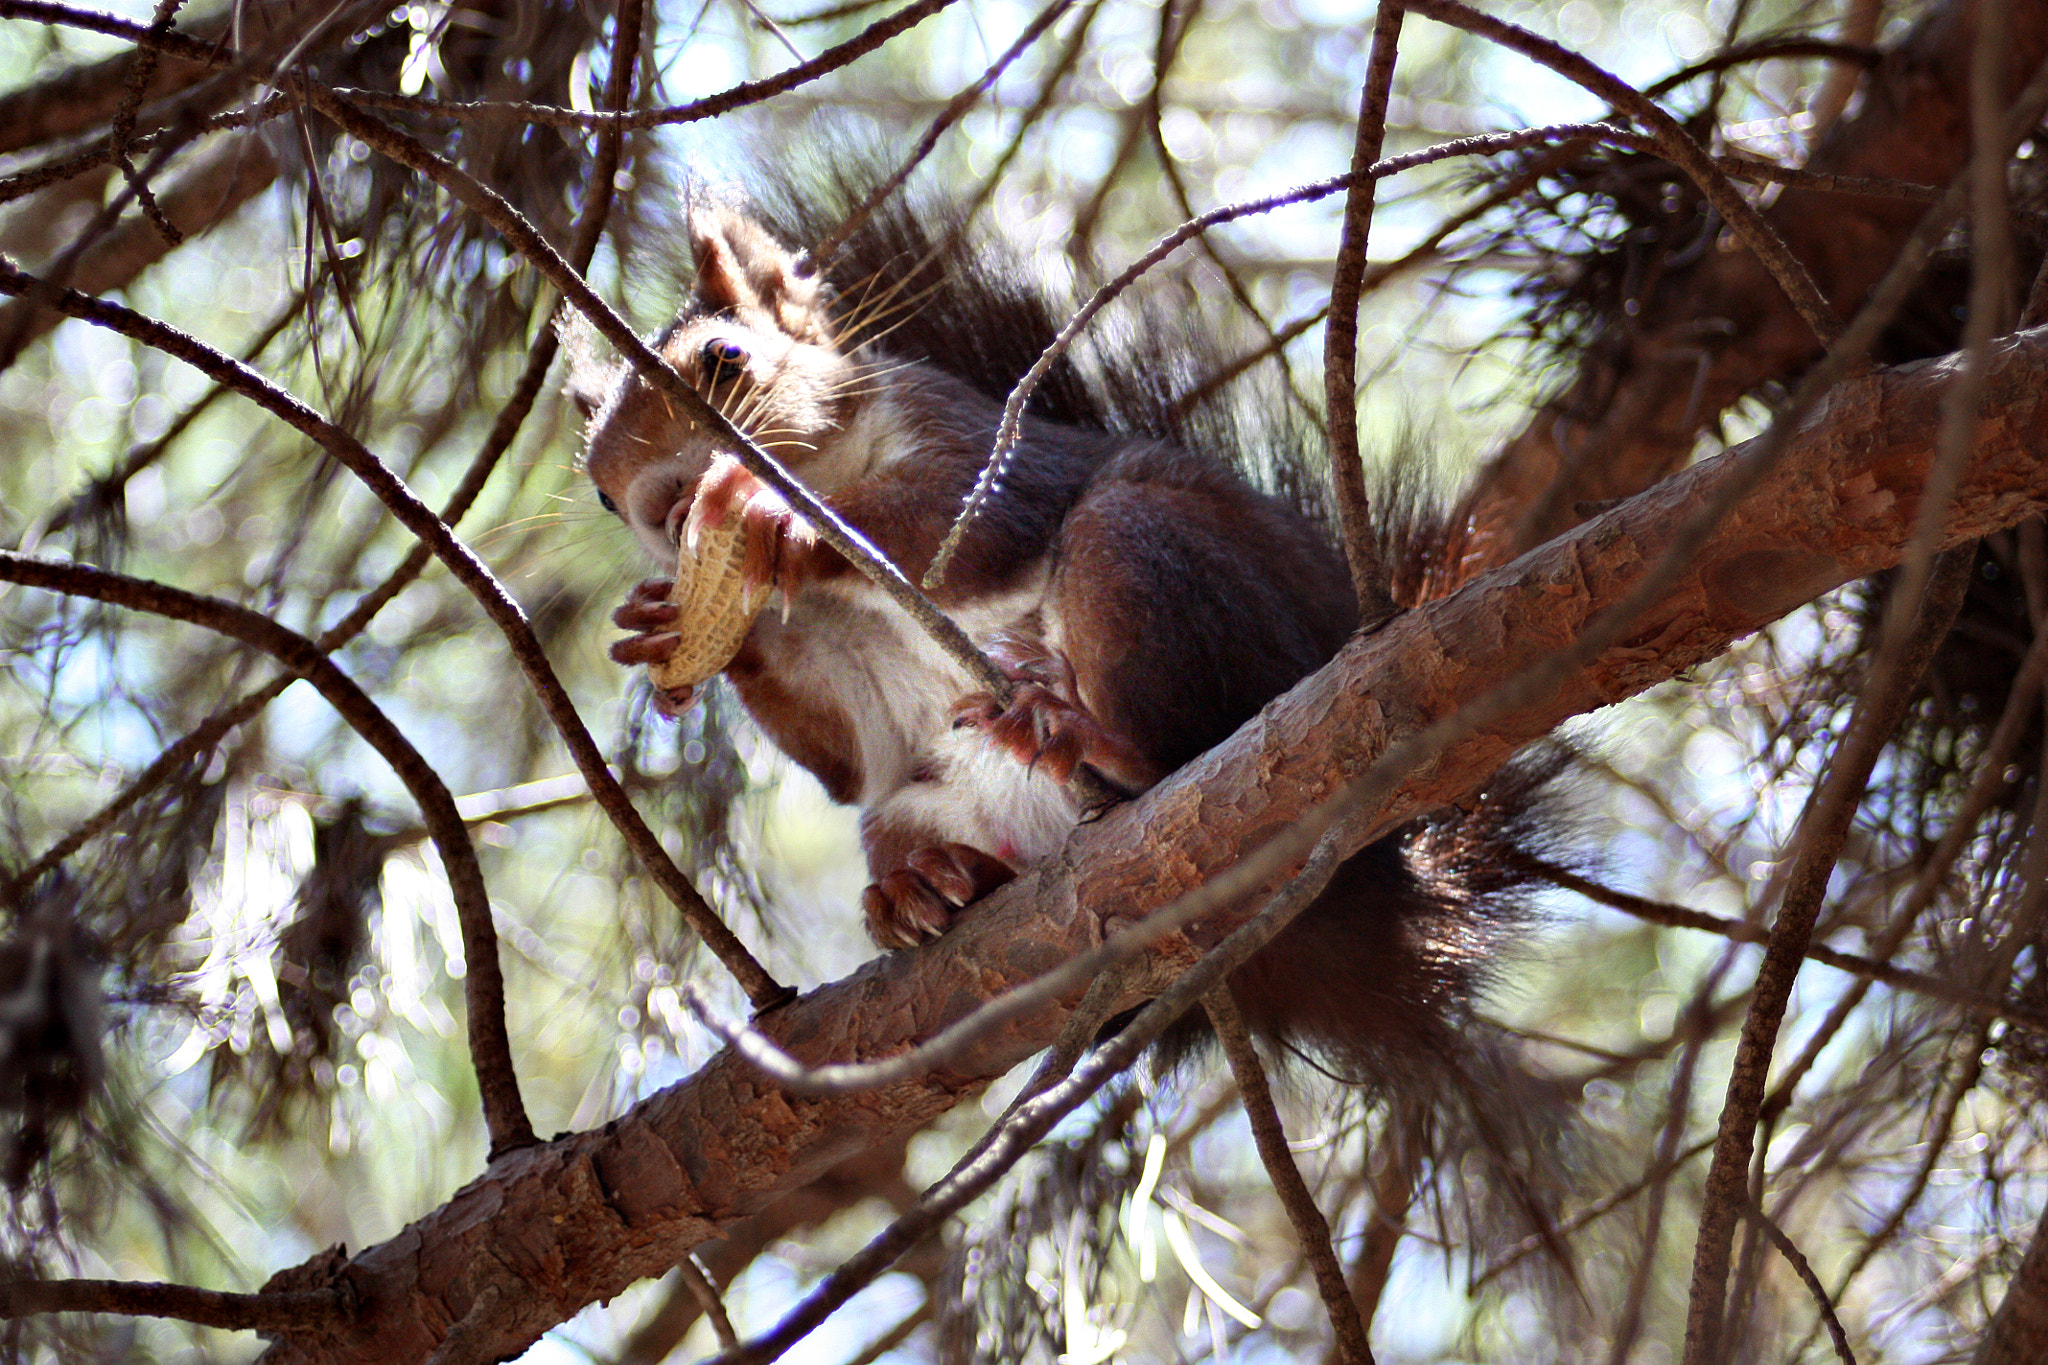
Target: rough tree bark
<point>1708,335</point>
<point>2018,1333</point>
<point>551,1228</point>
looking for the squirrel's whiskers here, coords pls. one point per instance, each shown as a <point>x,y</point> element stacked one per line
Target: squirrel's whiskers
<point>1150,596</point>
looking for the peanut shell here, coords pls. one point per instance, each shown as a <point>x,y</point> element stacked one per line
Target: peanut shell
<point>716,609</point>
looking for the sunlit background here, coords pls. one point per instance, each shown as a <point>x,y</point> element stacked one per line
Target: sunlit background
<point>238,1135</point>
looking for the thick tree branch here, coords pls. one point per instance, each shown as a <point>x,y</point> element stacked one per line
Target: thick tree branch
<point>581,1218</point>
<point>1634,409</point>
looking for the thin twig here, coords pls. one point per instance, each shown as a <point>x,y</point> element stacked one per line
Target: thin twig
<point>897,1335</point>
<point>1311,1229</point>
<point>1934,1140</point>
<point>1175,23</point>
<point>711,106</point>
<point>1764,50</point>
<point>1775,1235</point>
<point>124,124</point>
<point>1063,67</point>
<point>1984,788</point>
<point>2014,1332</point>
<point>470,571</point>
<point>1592,1213</point>
<point>1859,30</point>
<point>1866,186</point>
<point>114,26</point>
<point>19,322</point>
<point>693,1274</point>
<point>1340,334</point>
<point>820,256</point>
<point>484,984</point>
<point>24,183</point>
<point>1823,826</point>
<point>1674,144</point>
<point>1984,1006</point>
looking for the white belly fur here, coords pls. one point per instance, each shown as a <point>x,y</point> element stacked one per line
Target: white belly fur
<point>848,644</point>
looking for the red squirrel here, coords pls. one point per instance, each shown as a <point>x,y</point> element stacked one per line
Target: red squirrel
<point>1143,595</point>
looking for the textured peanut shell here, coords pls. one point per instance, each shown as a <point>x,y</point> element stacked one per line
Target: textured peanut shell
<point>714,608</point>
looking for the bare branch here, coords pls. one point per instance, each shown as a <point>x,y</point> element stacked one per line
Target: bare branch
<point>1822,827</point>
<point>1340,335</point>
<point>820,254</point>
<point>484,986</point>
<point>1311,1229</point>
<point>498,604</point>
<point>1869,968</point>
<point>1800,1266</point>
<point>1673,143</point>
<point>306,1310</point>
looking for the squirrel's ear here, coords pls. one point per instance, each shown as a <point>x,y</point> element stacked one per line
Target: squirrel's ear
<point>742,269</point>
<point>591,376</point>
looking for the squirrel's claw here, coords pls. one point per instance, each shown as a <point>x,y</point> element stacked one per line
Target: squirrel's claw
<point>651,616</point>
<point>1045,726</point>
<point>650,647</point>
<point>919,900</point>
<point>647,609</point>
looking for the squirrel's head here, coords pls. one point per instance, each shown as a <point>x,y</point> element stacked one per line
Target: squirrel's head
<point>757,340</point>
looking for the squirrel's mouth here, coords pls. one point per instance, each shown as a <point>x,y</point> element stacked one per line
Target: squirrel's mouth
<point>678,515</point>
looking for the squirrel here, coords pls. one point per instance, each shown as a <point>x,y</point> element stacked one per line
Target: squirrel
<point>1145,598</point>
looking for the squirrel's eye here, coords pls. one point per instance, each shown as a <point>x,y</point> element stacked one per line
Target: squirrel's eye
<point>604,500</point>
<point>723,360</point>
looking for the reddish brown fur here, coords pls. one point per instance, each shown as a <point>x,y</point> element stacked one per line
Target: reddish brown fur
<point>818,736</point>
<point>1145,597</point>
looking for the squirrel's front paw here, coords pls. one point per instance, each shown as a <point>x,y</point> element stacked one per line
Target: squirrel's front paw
<point>782,549</point>
<point>919,900</point>
<point>1046,726</point>
<point>651,616</point>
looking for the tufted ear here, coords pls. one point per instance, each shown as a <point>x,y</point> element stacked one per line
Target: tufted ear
<point>742,270</point>
<point>591,377</point>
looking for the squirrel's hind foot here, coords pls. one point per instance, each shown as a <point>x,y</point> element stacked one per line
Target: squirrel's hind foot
<point>919,900</point>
